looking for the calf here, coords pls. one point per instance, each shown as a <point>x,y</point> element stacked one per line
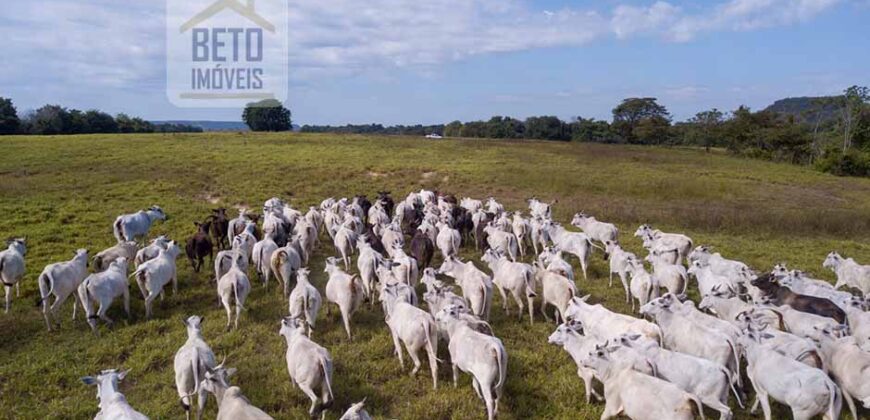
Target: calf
<point>642,286</point>
<point>723,303</point>
<point>154,274</point>
<point>344,290</point>
<point>309,366</point>
<point>551,258</point>
<point>191,362</point>
<point>234,286</point>
<point>672,277</point>
<point>518,278</point>
<point>422,248</point>
<point>849,273</point>
<point>440,297</point>
<point>232,404</point>
<point>682,243</point>
<point>483,356</point>
<point>129,227</point>
<point>113,404</point>
<point>367,264</point>
<point>414,328</point>
<point>628,391</point>
<point>475,284</point>
<point>61,279</point>
<point>12,267</point>
<point>779,295</point>
<point>220,226</point>
<point>575,243</point>
<point>199,246</point>
<point>305,300</point>
<point>103,288</point>
<point>126,249</point>
<point>809,392</point>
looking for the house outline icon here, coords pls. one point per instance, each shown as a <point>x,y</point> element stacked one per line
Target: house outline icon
<point>247,11</point>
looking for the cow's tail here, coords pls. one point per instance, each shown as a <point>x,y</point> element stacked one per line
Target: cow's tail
<point>836,402</point>
<point>698,405</point>
<point>736,362</point>
<point>236,295</point>
<point>46,281</point>
<point>500,357</point>
<point>277,261</point>
<point>730,379</point>
<point>327,381</point>
<point>85,295</point>
<point>427,329</point>
<point>118,228</point>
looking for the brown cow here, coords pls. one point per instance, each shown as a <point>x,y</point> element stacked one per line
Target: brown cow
<point>781,295</point>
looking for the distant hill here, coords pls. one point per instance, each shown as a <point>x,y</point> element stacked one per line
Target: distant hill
<point>805,108</point>
<point>210,125</point>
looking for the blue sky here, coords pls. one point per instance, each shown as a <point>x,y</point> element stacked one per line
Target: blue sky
<point>434,61</point>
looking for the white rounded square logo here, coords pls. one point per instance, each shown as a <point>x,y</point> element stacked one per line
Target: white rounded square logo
<point>226,53</point>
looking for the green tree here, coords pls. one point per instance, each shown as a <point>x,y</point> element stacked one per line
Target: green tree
<point>100,122</point>
<point>50,120</point>
<point>9,122</point>
<point>652,118</point>
<point>267,115</point>
<point>852,105</point>
<point>546,128</point>
<point>706,127</point>
<point>591,130</point>
<point>454,129</point>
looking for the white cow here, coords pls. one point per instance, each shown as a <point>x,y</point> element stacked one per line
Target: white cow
<point>262,258</point>
<point>309,365</point>
<point>61,280</point>
<point>850,368</point>
<point>103,288</point>
<point>356,412</point>
<point>286,261</point>
<point>191,362</point>
<point>12,267</point>
<point>672,277</point>
<point>709,381</point>
<point>601,322</point>
<point>556,290</point>
<point>568,335</point>
<point>475,284</point>
<point>113,404</point>
<point>575,243</point>
<point>150,252</point>
<point>481,355</point>
<point>305,300</point>
<point>522,230</point>
<point>849,273</point>
<point>629,391</point>
<point>502,241</point>
<point>129,227</point>
<point>619,259</point>
<point>808,391</point>
<point>153,275</point>
<point>597,231</point>
<point>344,290</point>
<point>516,277</point>
<point>413,327</point>
<point>232,404</point>
<point>126,249</point>
<point>681,242</point>
<point>448,240</point>
<point>234,287</point>
<point>642,285</point>
<point>344,239</point>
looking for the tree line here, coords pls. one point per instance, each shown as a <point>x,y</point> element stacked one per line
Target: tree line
<point>58,120</point>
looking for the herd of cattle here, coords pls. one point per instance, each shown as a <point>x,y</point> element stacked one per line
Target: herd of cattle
<point>804,342</point>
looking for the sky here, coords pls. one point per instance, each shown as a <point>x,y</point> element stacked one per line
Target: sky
<point>435,61</point>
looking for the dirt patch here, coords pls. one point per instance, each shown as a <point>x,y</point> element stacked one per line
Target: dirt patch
<point>373,174</point>
<point>211,198</point>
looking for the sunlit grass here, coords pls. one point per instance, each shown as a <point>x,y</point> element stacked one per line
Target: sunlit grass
<point>63,193</point>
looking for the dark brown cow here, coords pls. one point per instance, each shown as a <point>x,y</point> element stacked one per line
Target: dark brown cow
<point>199,245</point>
<point>422,249</point>
<point>220,224</point>
<point>387,201</point>
<point>781,295</point>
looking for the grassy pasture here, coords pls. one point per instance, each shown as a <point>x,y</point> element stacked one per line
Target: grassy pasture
<point>64,192</point>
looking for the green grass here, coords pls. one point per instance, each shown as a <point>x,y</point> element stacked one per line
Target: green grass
<point>64,192</point>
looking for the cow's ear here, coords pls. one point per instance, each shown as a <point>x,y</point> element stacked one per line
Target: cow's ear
<point>123,374</point>
<point>231,372</point>
<point>89,380</point>
<point>184,321</point>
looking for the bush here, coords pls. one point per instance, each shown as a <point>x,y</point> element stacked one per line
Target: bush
<point>852,163</point>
